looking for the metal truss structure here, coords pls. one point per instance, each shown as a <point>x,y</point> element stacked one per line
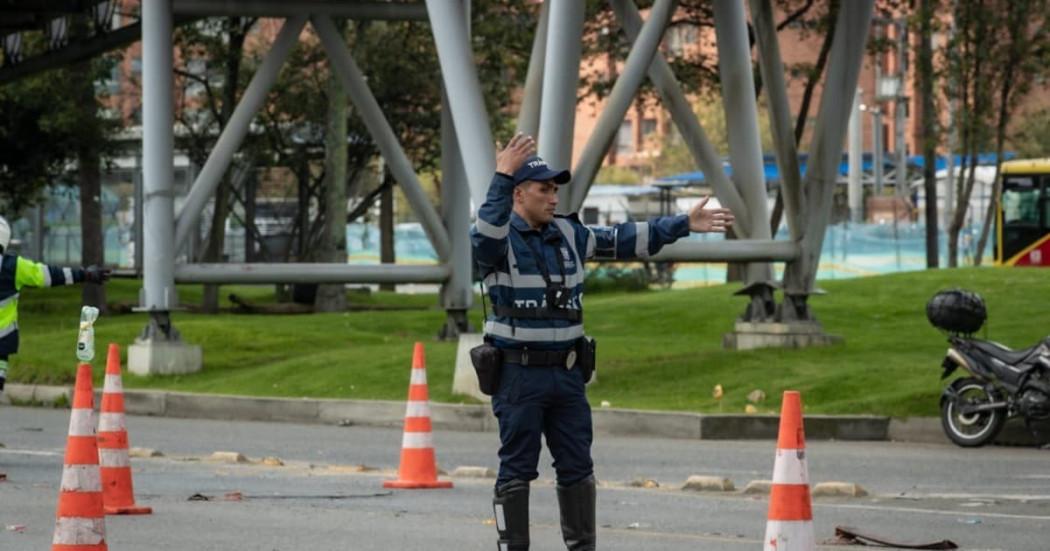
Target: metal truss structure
<point>548,110</point>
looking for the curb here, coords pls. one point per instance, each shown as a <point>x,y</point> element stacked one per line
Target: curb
<point>471,417</point>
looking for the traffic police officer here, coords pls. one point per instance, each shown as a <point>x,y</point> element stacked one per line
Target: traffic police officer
<point>17,272</point>
<point>531,262</point>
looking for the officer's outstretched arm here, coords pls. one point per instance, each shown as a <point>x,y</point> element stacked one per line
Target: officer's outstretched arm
<point>635,239</point>
<point>38,274</point>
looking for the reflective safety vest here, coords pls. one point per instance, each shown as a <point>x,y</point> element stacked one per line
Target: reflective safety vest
<point>17,272</point>
<point>516,262</point>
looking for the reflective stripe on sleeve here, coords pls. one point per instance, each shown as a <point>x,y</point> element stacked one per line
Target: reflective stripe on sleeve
<point>492,231</point>
<point>641,240</point>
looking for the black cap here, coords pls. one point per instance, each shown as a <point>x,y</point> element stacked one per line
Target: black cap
<point>536,169</point>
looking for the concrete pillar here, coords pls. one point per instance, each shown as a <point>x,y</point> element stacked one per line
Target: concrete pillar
<point>159,350</point>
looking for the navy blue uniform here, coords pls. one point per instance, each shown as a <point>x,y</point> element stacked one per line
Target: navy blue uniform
<point>515,262</point>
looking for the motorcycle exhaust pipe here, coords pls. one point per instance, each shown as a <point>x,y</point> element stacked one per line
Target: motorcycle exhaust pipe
<point>969,409</point>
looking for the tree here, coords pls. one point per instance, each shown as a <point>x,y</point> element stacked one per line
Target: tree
<point>48,121</point>
<point>1022,51</point>
<point>332,246</point>
<point>929,119</point>
<point>970,75</point>
<point>1031,138</point>
<point>206,104</point>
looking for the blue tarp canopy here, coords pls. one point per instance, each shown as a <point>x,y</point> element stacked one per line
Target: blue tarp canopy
<point>772,171</point>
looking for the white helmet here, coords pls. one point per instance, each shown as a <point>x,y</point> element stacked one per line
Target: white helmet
<point>5,235</point>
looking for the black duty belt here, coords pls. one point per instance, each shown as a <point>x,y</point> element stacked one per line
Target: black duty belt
<point>537,313</point>
<point>540,358</point>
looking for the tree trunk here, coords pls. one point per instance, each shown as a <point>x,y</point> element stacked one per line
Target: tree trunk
<point>332,297</point>
<point>386,228</point>
<point>1017,50</point>
<point>217,234</point>
<point>91,245</point>
<point>90,179</point>
<point>929,123</point>
<point>968,113</point>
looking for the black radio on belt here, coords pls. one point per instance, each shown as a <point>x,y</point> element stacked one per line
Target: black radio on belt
<point>558,295</point>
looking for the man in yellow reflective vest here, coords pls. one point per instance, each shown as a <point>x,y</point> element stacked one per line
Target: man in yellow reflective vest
<point>17,272</point>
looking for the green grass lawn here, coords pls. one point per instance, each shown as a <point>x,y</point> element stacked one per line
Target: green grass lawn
<point>657,349</point>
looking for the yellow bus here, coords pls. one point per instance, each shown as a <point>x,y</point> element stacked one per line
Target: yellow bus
<point>1023,224</point>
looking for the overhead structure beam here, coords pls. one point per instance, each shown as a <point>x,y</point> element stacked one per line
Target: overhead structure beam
<point>529,115</point>
<point>76,51</point>
<point>772,68</point>
<point>449,27</point>
<point>229,141</point>
<point>308,273</point>
<point>394,11</point>
<point>847,54</point>
<point>738,250</point>
<point>619,101</point>
<point>561,80</point>
<point>682,114</point>
<point>368,109</point>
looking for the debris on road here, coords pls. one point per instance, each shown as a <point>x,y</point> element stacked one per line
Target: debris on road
<point>845,535</point>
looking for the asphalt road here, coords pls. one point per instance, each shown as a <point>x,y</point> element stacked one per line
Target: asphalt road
<point>328,495</point>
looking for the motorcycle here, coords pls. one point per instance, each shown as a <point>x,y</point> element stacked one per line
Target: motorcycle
<point>1001,383</point>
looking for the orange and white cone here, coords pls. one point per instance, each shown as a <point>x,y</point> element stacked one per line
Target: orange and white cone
<point>80,523</point>
<point>418,465</point>
<point>790,521</point>
<point>117,490</point>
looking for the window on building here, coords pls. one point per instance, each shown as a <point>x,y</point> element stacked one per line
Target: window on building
<point>648,131</point>
<point>679,37</point>
<point>625,138</point>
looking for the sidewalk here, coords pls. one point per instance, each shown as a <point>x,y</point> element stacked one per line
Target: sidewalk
<point>472,417</point>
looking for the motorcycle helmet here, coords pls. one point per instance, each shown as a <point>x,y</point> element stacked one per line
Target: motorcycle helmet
<point>957,311</point>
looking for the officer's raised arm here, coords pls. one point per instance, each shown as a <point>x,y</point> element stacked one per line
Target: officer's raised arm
<point>643,239</point>
<point>489,233</point>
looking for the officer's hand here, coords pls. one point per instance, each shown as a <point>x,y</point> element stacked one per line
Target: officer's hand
<point>709,220</point>
<point>96,274</point>
<point>510,159</point>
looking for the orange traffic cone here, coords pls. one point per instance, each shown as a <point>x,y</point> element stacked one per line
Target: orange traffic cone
<point>81,523</point>
<point>790,521</point>
<point>117,491</point>
<point>418,466</point>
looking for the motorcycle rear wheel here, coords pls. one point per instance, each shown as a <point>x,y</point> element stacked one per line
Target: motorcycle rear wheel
<point>974,429</point>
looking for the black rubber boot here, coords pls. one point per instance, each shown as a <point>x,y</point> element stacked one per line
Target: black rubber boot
<point>577,515</point>
<point>511,506</point>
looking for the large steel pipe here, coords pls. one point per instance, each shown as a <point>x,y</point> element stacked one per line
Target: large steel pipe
<point>309,273</point>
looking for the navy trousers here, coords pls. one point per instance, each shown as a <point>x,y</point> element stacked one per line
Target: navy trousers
<point>543,401</point>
